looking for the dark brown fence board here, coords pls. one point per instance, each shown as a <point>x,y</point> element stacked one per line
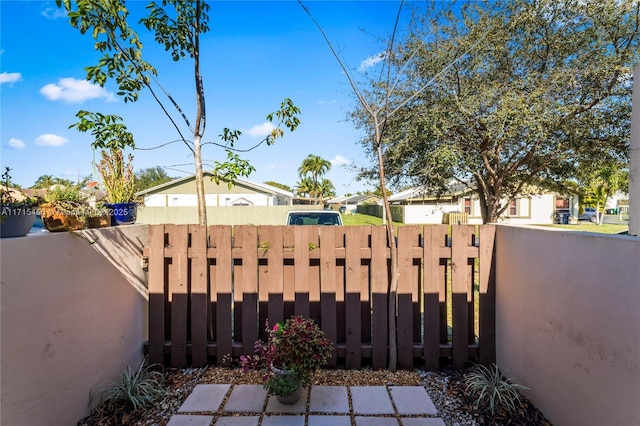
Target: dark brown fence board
<point>178,293</point>
<point>379,289</point>
<point>199,297</point>
<point>352,297</point>
<point>221,235</point>
<point>302,246</point>
<point>156,294</point>
<point>487,334</point>
<point>407,236</point>
<point>459,238</point>
<point>246,274</point>
<point>328,288</point>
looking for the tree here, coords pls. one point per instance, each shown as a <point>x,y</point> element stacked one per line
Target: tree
<point>316,167</point>
<point>305,187</point>
<point>150,177</point>
<point>44,182</point>
<point>533,88</point>
<point>278,185</point>
<point>176,25</point>
<point>602,181</point>
<point>326,189</point>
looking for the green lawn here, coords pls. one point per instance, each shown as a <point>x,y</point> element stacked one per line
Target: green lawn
<point>605,228</point>
<point>362,219</point>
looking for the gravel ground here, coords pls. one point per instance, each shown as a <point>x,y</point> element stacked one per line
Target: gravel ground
<point>444,387</point>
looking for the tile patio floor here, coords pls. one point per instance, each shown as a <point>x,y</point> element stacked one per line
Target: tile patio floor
<point>249,405</point>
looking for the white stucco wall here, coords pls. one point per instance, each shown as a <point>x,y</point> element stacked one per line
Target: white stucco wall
<point>568,320</point>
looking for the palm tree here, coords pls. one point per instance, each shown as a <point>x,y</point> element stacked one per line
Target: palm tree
<point>315,166</point>
<point>305,187</point>
<point>45,182</point>
<point>326,189</point>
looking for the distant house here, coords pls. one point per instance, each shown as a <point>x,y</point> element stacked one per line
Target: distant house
<point>351,202</point>
<point>424,207</point>
<point>182,192</point>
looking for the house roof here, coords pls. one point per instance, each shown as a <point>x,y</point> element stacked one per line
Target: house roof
<point>259,187</point>
<point>352,199</point>
<point>421,193</point>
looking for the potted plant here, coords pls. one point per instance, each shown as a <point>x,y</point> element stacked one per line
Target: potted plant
<point>17,211</point>
<point>293,351</point>
<point>114,167</point>
<point>65,208</point>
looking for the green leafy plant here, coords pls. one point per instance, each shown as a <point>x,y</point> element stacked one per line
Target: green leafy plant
<point>8,196</point>
<point>136,389</point>
<point>491,390</point>
<point>298,345</point>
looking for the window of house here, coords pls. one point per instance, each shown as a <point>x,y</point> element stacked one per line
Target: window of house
<point>467,205</point>
<point>513,208</point>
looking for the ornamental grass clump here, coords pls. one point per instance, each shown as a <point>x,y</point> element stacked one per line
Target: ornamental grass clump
<point>136,389</point>
<point>298,345</point>
<point>491,390</point>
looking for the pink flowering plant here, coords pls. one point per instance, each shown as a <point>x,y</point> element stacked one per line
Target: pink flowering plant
<point>298,345</point>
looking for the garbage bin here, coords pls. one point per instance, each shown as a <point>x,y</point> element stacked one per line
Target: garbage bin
<point>565,218</point>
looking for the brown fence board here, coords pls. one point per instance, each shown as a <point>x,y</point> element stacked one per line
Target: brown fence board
<point>459,238</point>
<point>221,236</point>
<point>156,294</point>
<point>246,275</point>
<point>209,298</point>
<point>199,297</point>
<point>352,297</point>
<point>328,287</point>
<point>178,293</point>
<point>379,304</point>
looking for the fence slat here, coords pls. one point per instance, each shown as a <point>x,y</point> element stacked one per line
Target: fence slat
<point>379,297</point>
<point>178,239</point>
<point>199,299</point>
<point>487,333</point>
<point>352,298</point>
<point>407,238</point>
<point>247,275</point>
<point>328,286</point>
<point>221,236</point>
<point>432,294</point>
<point>302,246</point>
<point>156,294</point>
<point>459,238</point>
<point>270,244</point>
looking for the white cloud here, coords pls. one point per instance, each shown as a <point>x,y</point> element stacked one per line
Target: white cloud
<point>49,139</point>
<point>10,77</point>
<point>53,12</point>
<point>16,143</point>
<point>371,61</point>
<point>261,130</point>
<point>75,91</point>
<point>339,160</point>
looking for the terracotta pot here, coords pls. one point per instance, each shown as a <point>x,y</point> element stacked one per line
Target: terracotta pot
<point>99,222</point>
<point>59,220</point>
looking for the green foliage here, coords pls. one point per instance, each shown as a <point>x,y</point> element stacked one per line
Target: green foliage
<point>500,95</point>
<point>71,194</point>
<point>282,384</point>
<point>7,194</point>
<point>311,171</point>
<point>491,390</point>
<point>117,175</point>
<point>279,185</point>
<point>298,345</point>
<point>150,177</point>
<point>136,389</point>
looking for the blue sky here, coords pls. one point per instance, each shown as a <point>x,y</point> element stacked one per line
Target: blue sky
<point>255,55</point>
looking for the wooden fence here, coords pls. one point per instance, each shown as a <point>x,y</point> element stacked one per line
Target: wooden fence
<point>210,295</point>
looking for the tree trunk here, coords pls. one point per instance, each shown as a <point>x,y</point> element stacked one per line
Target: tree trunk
<point>202,204</point>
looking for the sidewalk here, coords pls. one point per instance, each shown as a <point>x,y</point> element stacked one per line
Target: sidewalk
<point>249,405</point>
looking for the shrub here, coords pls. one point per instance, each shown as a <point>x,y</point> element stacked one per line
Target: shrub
<point>491,389</point>
<point>136,390</point>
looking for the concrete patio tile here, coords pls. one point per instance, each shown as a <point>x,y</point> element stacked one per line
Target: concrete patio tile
<point>329,399</point>
<point>371,400</point>
<point>238,421</point>
<point>412,400</point>
<point>329,421</point>
<point>246,399</point>
<point>204,398</point>
<point>273,406</point>
<point>189,420</point>
<point>376,421</point>
<point>283,420</point>
<point>422,421</point>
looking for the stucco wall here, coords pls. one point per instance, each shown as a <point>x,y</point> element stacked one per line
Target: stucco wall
<point>568,322</point>
<point>228,215</point>
<point>71,321</point>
